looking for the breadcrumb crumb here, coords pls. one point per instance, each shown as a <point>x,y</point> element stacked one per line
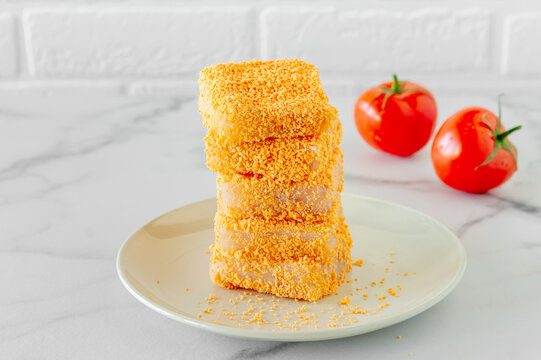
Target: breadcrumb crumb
<point>344,301</point>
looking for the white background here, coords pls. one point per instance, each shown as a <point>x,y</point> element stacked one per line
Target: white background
<point>159,46</point>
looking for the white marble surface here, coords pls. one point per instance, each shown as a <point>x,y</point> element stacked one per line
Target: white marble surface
<point>80,170</point>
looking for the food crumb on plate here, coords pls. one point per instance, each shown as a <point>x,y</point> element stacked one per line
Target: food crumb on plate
<point>344,301</point>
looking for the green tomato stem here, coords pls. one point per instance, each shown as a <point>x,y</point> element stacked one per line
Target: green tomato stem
<point>397,87</point>
<point>502,136</point>
<point>500,141</point>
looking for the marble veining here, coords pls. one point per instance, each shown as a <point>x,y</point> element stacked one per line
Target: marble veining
<point>80,173</point>
<point>265,353</point>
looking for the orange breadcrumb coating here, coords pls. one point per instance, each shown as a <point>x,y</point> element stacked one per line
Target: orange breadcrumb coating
<point>280,241</point>
<point>274,140</point>
<point>255,100</point>
<point>242,196</point>
<point>297,278</point>
<point>298,202</point>
<point>293,159</point>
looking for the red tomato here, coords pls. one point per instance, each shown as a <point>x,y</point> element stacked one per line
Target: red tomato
<point>396,117</point>
<point>471,153</point>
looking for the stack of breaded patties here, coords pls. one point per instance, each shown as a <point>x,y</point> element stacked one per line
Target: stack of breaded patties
<point>273,138</point>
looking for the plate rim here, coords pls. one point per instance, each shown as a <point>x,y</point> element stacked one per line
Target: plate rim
<point>306,335</point>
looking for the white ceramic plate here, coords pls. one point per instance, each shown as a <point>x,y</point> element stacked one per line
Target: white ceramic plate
<point>170,254</point>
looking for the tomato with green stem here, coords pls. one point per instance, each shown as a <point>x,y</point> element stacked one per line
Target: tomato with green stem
<point>397,117</point>
<point>471,151</point>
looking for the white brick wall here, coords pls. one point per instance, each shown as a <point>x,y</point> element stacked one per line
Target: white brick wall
<point>135,42</point>
<point>8,49</point>
<point>522,49</point>
<point>148,46</point>
<point>423,41</point>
